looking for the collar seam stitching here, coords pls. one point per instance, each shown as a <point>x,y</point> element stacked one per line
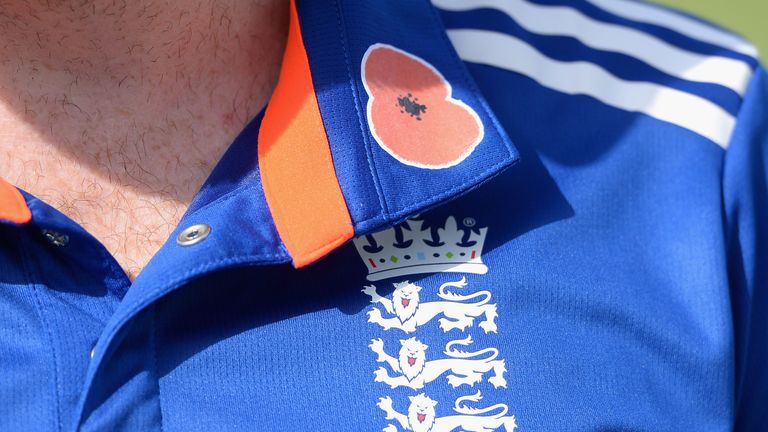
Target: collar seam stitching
<point>383,205</point>
<point>415,205</point>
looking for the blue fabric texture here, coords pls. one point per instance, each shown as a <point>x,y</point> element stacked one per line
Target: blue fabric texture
<point>586,266</point>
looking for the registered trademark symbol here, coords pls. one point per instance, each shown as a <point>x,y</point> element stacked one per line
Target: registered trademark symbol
<point>469,222</point>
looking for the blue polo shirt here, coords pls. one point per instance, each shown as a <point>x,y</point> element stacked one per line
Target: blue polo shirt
<point>491,215</point>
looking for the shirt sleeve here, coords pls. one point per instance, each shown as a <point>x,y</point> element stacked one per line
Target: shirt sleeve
<point>745,198</point>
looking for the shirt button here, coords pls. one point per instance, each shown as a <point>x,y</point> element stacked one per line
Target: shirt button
<point>56,238</point>
<point>193,234</point>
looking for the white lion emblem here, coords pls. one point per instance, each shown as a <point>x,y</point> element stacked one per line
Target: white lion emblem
<point>414,371</point>
<point>421,416</point>
<point>410,313</point>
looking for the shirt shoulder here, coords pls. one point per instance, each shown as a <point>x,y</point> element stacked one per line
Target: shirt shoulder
<point>633,56</point>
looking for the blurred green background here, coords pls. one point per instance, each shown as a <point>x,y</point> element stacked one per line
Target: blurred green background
<point>746,17</point>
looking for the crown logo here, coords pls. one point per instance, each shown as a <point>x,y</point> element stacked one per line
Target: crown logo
<point>416,246</point>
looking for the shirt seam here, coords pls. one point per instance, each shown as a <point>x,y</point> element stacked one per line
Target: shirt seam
<point>383,205</point>
<point>435,198</point>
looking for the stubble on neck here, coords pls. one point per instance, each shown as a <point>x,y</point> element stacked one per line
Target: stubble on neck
<point>116,111</point>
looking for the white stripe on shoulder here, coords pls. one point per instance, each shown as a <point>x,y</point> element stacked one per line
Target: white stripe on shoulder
<point>653,14</point>
<point>582,78</point>
<point>566,21</point>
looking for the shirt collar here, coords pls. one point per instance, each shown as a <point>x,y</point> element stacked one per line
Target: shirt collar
<point>374,119</point>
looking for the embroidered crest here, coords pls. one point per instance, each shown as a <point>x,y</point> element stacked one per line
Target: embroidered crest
<point>458,310</point>
<point>414,246</point>
<point>421,416</point>
<point>414,370</point>
<point>418,246</point>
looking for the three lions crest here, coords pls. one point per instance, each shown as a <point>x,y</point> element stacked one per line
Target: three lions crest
<point>407,312</point>
<point>421,416</point>
<point>414,366</point>
<point>414,371</point>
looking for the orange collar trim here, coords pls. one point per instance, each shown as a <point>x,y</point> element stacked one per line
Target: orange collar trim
<point>13,206</point>
<point>297,171</point>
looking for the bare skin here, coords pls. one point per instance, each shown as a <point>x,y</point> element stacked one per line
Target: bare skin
<point>115,111</point>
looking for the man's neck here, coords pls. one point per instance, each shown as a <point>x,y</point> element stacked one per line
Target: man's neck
<point>116,111</point>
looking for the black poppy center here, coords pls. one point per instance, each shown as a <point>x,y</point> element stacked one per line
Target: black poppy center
<point>410,105</point>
